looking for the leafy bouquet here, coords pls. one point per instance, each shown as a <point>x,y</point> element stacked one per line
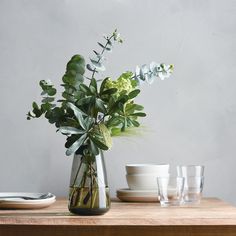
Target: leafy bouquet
<point>90,113</point>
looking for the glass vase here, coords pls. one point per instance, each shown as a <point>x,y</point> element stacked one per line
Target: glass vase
<point>89,192</point>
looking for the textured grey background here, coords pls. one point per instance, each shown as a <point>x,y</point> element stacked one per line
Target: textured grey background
<point>191,117</point>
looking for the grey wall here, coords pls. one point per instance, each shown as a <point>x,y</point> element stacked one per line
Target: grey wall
<point>191,117</point>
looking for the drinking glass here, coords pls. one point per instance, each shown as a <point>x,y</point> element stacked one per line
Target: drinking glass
<point>170,190</point>
<point>193,185</point>
<point>190,170</point>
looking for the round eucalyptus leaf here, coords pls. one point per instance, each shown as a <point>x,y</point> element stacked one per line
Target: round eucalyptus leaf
<point>79,59</point>
<point>90,68</point>
<point>47,99</point>
<point>98,65</point>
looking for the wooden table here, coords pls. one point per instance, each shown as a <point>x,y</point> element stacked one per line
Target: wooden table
<point>212,217</point>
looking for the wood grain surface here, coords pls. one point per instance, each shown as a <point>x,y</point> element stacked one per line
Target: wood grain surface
<point>211,217</point>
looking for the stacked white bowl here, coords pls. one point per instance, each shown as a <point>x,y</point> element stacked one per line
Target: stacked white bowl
<point>144,176</point>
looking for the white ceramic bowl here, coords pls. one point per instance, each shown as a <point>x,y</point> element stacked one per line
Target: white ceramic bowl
<point>144,181</point>
<point>147,169</point>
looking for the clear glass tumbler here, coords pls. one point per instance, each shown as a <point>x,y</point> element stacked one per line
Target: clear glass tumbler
<point>190,170</point>
<point>193,187</point>
<point>194,180</point>
<point>170,190</point>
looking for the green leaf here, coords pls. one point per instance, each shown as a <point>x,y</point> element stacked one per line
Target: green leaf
<point>98,65</point>
<point>76,145</point>
<point>124,125</point>
<point>95,139</point>
<point>103,84</point>
<point>46,106</point>
<point>51,91</point>
<point>84,101</point>
<point>79,115</point>
<point>115,121</point>
<point>70,140</point>
<point>68,97</point>
<point>94,148</point>
<point>68,87</point>
<point>79,59</point>
<point>70,130</point>
<point>47,99</point>
<point>90,68</point>
<point>96,53</point>
<point>37,112</point>
<point>73,77</point>
<point>47,88</point>
<point>79,78</point>
<point>93,83</point>
<point>88,121</point>
<point>103,47</point>
<point>100,105</point>
<point>109,91</point>
<point>85,89</point>
<point>126,75</point>
<point>78,94</point>
<point>35,105</point>
<point>77,68</point>
<point>141,114</point>
<point>118,105</point>
<point>77,64</point>
<point>115,131</point>
<point>134,93</point>
<point>131,107</point>
<point>135,123</point>
<point>43,84</point>
<point>93,90</point>
<point>55,115</point>
<point>123,99</point>
<point>134,83</point>
<point>69,122</point>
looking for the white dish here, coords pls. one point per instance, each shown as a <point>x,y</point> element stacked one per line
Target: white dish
<point>137,195</point>
<point>144,181</point>
<point>10,201</point>
<point>146,168</point>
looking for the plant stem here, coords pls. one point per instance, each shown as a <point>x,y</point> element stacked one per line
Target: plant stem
<point>94,197</point>
<point>76,176</point>
<point>91,185</point>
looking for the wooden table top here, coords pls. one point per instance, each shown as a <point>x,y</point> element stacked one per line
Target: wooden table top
<point>211,211</point>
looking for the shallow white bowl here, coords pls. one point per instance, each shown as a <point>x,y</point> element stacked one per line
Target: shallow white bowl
<point>144,181</point>
<point>146,168</point>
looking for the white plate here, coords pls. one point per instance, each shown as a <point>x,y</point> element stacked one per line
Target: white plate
<point>19,203</point>
<point>129,195</point>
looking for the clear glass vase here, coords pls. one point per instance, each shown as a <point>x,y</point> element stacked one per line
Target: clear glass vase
<point>89,192</point>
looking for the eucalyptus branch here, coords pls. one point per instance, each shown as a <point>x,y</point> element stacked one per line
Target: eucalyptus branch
<point>149,73</point>
<point>102,52</point>
<point>96,63</point>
